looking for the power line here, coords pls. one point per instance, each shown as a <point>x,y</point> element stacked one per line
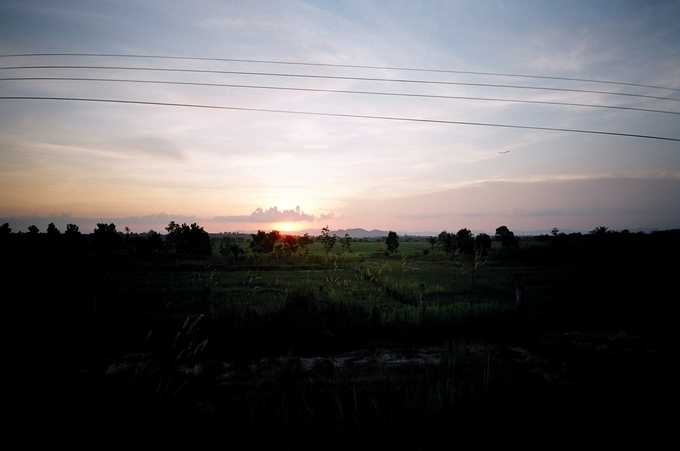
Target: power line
<point>354,116</point>
<point>352,66</point>
<point>336,77</point>
<point>338,91</point>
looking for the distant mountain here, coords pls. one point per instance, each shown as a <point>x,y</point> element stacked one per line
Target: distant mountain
<point>353,233</point>
<point>375,233</point>
<point>361,233</point>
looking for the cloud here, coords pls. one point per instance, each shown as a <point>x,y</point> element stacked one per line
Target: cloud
<point>158,148</point>
<point>551,178</point>
<point>271,215</point>
<point>581,202</point>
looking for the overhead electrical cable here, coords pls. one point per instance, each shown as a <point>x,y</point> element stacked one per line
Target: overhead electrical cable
<point>337,91</point>
<point>352,66</point>
<point>335,77</point>
<point>354,116</point>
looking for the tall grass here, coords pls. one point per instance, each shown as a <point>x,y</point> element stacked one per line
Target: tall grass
<point>365,399</point>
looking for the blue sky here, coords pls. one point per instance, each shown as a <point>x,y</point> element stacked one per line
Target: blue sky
<point>141,166</point>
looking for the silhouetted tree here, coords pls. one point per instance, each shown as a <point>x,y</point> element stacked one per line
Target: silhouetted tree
<point>262,242</point>
<point>72,229</point>
<point>275,235</point>
<point>448,241</point>
<point>5,240</point>
<point>232,252</point>
<point>52,230</point>
<point>105,239</point>
<point>465,242</point>
<point>392,242</point>
<point>33,230</point>
<point>188,240</point>
<point>290,245</point>
<point>259,243</point>
<point>143,246</point>
<point>75,243</point>
<point>506,237</point>
<point>482,243</point>
<point>347,243</point>
<point>600,231</point>
<point>602,236</point>
<point>155,241</point>
<point>305,240</point>
<point>53,239</point>
<point>327,239</point>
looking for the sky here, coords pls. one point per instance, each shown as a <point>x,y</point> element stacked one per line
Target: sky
<point>389,115</point>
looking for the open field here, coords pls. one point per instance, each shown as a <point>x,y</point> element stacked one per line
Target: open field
<point>334,350</point>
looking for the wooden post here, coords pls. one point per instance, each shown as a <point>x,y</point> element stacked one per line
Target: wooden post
<point>322,297</point>
<point>423,302</point>
<point>212,306</point>
<point>519,289</point>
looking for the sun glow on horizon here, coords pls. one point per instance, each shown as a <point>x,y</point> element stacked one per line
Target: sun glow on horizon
<point>284,227</point>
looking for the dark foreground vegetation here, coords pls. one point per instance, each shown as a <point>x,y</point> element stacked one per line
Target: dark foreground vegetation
<point>330,342</point>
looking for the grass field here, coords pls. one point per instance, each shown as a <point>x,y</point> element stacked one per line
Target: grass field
<point>337,350</point>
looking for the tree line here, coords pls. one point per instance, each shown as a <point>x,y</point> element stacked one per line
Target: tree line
<point>105,240</point>
<point>464,241</point>
<point>192,241</point>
